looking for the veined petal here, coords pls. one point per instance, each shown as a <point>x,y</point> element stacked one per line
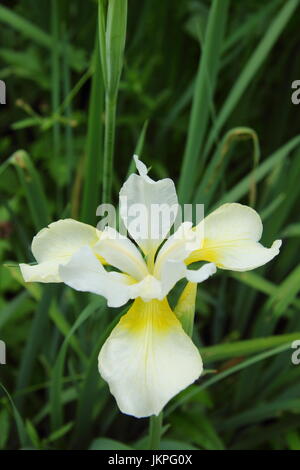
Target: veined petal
<point>231,235</point>
<point>148,208</point>
<point>120,252</point>
<point>84,272</point>
<point>55,245</point>
<point>148,359</point>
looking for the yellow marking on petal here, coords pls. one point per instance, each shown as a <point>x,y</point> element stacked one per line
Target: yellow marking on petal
<point>155,314</point>
<point>211,251</point>
<point>206,253</point>
<point>130,279</point>
<point>101,259</point>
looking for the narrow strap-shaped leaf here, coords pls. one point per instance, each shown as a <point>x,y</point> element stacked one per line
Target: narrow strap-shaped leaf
<point>56,387</point>
<point>31,182</point>
<point>246,347</point>
<point>203,92</point>
<point>94,151</point>
<point>256,60</point>
<point>23,438</point>
<point>34,341</point>
<point>222,375</point>
<point>241,188</point>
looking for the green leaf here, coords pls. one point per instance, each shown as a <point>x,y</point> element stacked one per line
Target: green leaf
<point>31,182</point>
<point>32,433</point>
<point>59,433</point>
<point>7,313</point>
<point>108,444</point>
<point>285,293</point>
<point>226,373</point>
<point>216,167</point>
<point>253,64</point>
<point>23,438</point>
<point>4,426</point>
<point>172,444</point>
<point>89,390</point>
<point>33,32</point>
<point>58,370</point>
<point>94,149</point>
<point>261,412</point>
<point>198,429</point>
<point>292,230</point>
<point>246,347</point>
<point>203,95</point>
<point>242,188</point>
<point>256,281</point>
<point>34,341</point>
<point>115,42</point>
<point>293,440</point>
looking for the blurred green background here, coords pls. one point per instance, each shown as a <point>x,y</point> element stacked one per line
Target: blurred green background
<point>205,98</point>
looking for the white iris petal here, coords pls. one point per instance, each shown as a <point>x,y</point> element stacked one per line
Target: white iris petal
<point>148,208</point>
<point>55,245</point>
<point>231,239</point>
<point>148,359</point>
<point>84,272</point>
<point>121,253</point>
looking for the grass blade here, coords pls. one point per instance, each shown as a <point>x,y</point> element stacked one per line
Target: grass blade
<point>227,373</point>
<point>31,182</point>
<point>115,35</point>
<point>246,347</point>
<point>254,63</point>
<point>93,160</point>
<point>34,342</point>
<point>241,188</point>
<point>202,99</point>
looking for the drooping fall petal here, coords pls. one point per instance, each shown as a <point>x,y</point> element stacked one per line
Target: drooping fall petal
<point>148,359</point>
<point>231,237</point>
<point>55,245</point>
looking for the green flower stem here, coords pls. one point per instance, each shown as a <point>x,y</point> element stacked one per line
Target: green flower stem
<point>155,430</point>
<point>109,139</point>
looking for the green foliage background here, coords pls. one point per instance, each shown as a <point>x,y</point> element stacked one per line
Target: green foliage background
<point>205,98</point>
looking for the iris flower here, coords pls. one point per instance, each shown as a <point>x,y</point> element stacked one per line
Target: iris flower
<point>148,358</point>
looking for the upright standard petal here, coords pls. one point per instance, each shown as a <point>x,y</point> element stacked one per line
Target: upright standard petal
<point>55,245</point>
<point>84,272</point>
<point>231,239</point>
<point>148,359</point>
<point>148,208</point>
